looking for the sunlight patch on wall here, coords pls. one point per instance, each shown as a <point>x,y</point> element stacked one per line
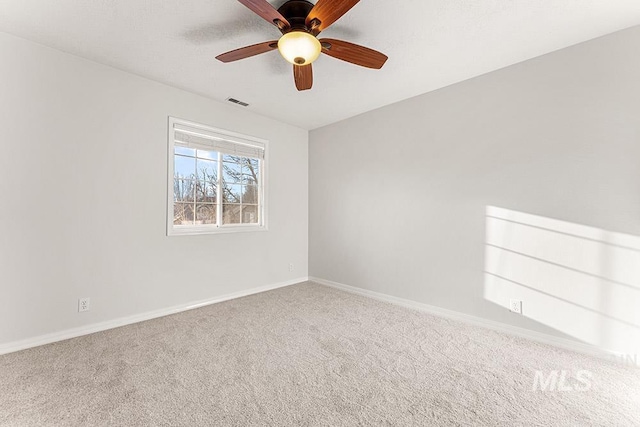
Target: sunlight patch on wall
<point>582,281</point>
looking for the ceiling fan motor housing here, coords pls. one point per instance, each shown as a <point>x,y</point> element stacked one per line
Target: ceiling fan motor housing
<point>296,12</point>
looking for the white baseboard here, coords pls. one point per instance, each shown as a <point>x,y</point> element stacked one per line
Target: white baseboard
<point>110,324</point>
<point>563,343</point>
<point>437,311</point>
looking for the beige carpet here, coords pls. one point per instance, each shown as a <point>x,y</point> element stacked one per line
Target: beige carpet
<point>306,355</point>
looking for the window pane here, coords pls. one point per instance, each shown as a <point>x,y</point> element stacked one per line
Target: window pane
<point>250,171</point>
<point>255,164</point>
<point>249,214</point>
<point>206,191</point>
<point>232,193</point>
<point>183,190</point>
<point>184,150</point>
<point>249,179</point>
<point>207,169</point>
<point>184,167</point>
<point>231,172</point>
<point>203,154</point>
<point>250,194</point>
<point>231,158</point>
<point>182,214</point>
<point>205,214</point>
<point>231,214</point>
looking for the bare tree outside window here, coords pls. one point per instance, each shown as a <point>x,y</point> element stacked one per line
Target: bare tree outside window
<point>196,188</point>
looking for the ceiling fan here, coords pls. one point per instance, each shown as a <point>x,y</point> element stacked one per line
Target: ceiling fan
<point>300,22</point>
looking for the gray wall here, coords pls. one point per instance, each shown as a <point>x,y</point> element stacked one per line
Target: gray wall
<point>402,197</point>
<point>83,184</point>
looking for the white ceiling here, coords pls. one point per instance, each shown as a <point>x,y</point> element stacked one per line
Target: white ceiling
<point>430,44</point>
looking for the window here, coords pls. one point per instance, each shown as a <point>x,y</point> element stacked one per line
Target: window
<point>216,180</point>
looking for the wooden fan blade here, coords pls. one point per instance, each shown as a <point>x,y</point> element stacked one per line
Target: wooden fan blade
<point>267,12</point>
<point>353,53</point>
<point>326,12</point>
<point>247,51</point>
<point>303,75</point>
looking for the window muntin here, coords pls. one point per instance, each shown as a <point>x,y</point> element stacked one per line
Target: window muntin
<point>216,180</point>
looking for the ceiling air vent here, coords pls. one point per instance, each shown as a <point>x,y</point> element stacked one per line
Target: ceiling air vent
<point>235,101</point>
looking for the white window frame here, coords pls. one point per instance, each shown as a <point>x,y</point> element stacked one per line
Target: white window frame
<point>226,136</point>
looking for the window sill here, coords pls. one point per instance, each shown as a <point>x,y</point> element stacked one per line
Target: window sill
<point>195,230</point>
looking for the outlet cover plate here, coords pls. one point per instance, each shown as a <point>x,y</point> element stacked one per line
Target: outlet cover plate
<point>84,304</point>
<point>515,306</point>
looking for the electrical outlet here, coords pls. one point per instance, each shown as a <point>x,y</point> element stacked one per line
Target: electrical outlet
<point>291,267</point>
<point>84,304</point>
<point>515,306</point>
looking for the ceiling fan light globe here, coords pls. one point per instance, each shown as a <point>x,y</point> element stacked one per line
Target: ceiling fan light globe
<point>299,47</point>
